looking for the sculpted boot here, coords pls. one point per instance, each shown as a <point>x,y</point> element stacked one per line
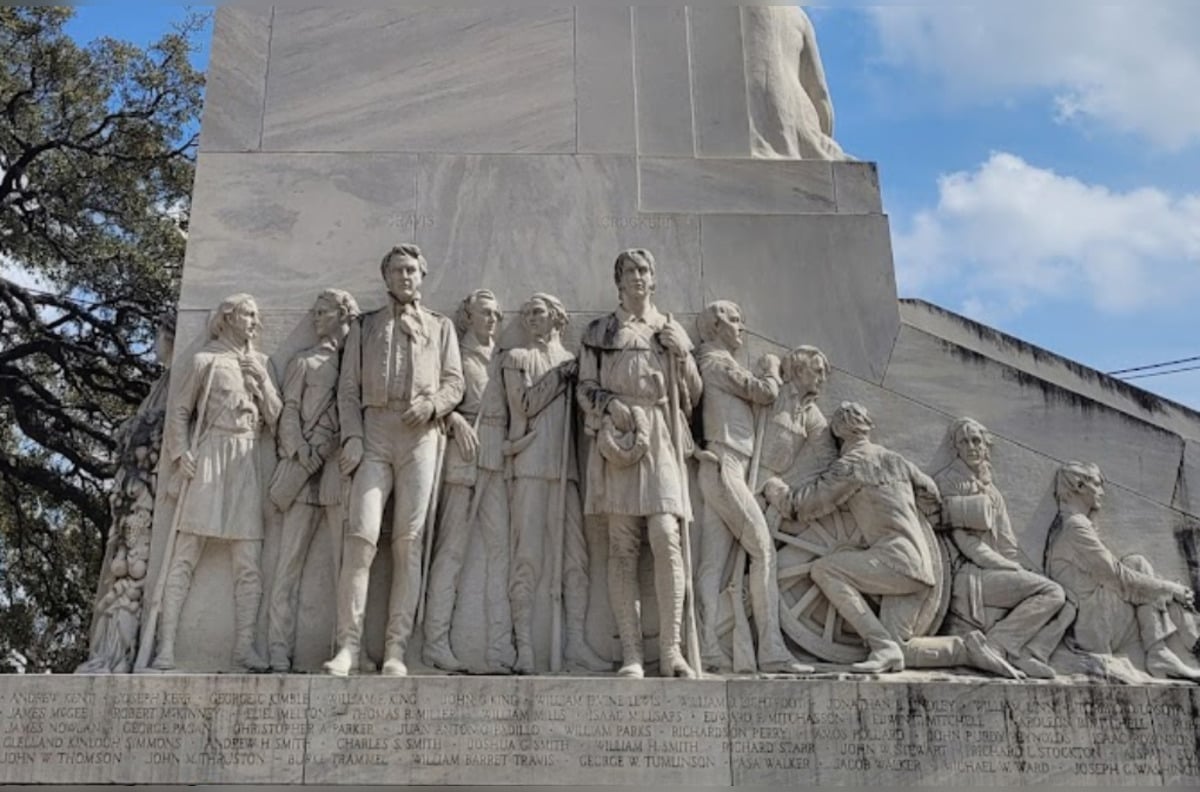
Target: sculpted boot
<point>245,657</point>
<point>886,656</point>
<point>167,626</point>
<point>351,606</point>
<point>622,583</point>
<point>1162,663</point>
<point>578,653</point>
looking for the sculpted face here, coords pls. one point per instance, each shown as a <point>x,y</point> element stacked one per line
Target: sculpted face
<point>537,319</point>
<point>485,318</point>
<point>971,445</point>
<point>403,278</point>
<point>243,324</point>
<point>810,377</point>
<point>327,318</point>
<point>1091,491</point>
<point>637,280</point>
<point>730,329</point>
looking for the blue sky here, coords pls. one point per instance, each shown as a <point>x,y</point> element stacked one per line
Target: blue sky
<point>1040,161</point>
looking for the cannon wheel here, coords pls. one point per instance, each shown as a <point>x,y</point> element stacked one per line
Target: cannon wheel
<point>807,617</point>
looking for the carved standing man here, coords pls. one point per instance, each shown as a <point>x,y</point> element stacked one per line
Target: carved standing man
<point>629,361</point>
<point>536,380</point>
<point>791,113</point>
<point>881,489</point>
<point>225,402</point>
<point>996,588</point>
<point>400,372</point>
<point>474,495</point>
<point>308,483</point>
<point>1121,601</point>
<point>731,393</point>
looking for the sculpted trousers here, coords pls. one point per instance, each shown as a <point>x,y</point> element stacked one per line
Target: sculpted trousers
<point>402,461</point>
<point>454,536</point>
<point>300,523</point>
<point>1038,617</point>
<point>247,584</point>
<point>1107,624</point>
<point>624,540</point>
<point>730,512</point>
<point>534,514</point>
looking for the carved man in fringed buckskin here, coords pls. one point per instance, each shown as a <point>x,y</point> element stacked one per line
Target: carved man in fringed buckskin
<point>537,377</point>
<point>474,495</point>
<point>1124,607</point>
<point>888,497</point>
<point>996,588</point>
<point>631,361</point>
<point>401,371</point>
<point>120,595</point>
<point>308,484</point>
<point>225,402</point>
<point>731,393</point>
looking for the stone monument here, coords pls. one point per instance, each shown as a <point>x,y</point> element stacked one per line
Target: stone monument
<point>586,545</point>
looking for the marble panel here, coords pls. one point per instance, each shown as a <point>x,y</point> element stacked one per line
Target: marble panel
<point>719,81</point>
<point>522,224</point>
<point>798,280</point>
<point>285,226</point>
<point>235,93</point>
<point>730,186</point>
<point>856,185</point>
<point>836,733</point>
<point>458,730</point>
<point>604,79</point>
<point>1057,422</point>
<point>662,76</point>
<point>467,79</point>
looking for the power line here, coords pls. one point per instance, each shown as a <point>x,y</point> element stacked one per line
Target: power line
<point>1152,366</point>
<point>1164,373</point>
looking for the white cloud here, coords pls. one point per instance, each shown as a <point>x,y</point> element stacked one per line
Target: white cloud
<point>1132,65</point>
<point>1008,234</point>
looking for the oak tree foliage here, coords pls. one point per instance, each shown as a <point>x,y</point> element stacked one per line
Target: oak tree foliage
<point>97,149</point>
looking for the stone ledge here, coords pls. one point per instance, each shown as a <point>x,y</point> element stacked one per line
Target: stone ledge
<point>826,730</point>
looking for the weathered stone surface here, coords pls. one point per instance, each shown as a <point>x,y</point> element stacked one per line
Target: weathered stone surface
<point>1057,422</point>
<point>236,86</point>
<point>604,79</point>
<point>662,74</point>
<point>856,187</point>
<point>548,223</point>
<point>284,226</point>
<point>730,186</point>
<point>482,79</point>
<point>719,81</point>
<point>459,730</point>
<point>797,278</point>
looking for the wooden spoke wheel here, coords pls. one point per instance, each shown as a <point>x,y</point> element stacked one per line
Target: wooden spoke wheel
<point>807,617</point>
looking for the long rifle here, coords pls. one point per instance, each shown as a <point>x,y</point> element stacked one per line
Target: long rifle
<point>557,545</point>
<point>685,523</point>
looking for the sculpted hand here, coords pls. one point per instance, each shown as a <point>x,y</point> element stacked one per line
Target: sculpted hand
<point>253,369</point>
<point>769,366</point>
<point>674,339</point>
<point>352,454</point>
<point>776,491</point>
<point>465,436</point>
<point>187,466</point>
<point>621,415</point>
<point>569,369</point>
<point>1184,596</point>
<point>418,413</point>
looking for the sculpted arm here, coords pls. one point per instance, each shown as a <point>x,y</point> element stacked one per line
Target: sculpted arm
<point>452,385</point>
<point>741,382</point>
<point>291,434</point>
<point>812,78</point>
<point>1093,555</point>
<point>270,403</point>
<point>824,496</point>
<point>537,396</point>
<point>349,392</point>
<point>593,398</point>
<point>176,435</point>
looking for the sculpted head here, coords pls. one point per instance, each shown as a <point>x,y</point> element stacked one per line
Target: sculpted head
<point>634,274</point>
<point>332,314</point>
<point>479,314</point>
<point>721,323</point>
<point>235,320</point>
<point>972,442</point>
<point>851,421</point>
<point>1079,485</point>
<point>806,369</point>
<point>544,316</point>
<point>164,338</point>
<point>403,268</point>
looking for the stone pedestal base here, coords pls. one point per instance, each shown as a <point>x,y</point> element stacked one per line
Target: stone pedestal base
<point>598,731</point>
